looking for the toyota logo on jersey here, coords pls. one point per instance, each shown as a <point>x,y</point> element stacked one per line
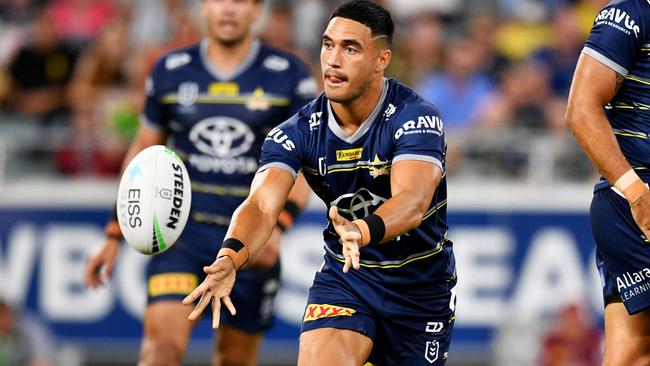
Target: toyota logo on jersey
<point>222,137</point>
<point>359,204</point>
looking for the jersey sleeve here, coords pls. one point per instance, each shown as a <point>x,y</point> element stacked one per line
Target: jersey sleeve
<point>155,113</point>
<point>304,88</point>
<point>418,134</point>
<point>617,35</point>
<point>283,148</point>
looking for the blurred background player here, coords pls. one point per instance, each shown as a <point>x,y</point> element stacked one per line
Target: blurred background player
<point>214,101</point>
<point>374,152</point>
<point>609,113</point>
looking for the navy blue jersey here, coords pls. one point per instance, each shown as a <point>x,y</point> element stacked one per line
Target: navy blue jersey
<point>620,39</point>
<point>353,172</point>
<point>217,122</point>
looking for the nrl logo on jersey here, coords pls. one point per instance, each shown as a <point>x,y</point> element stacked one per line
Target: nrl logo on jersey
<point>188,93</point>
<point>619,19</point>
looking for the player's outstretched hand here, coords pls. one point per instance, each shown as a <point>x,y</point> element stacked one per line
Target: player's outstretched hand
<point>99,267</point>
<point>215,289</point>
<point>350,239</point>
<point>641,213</point>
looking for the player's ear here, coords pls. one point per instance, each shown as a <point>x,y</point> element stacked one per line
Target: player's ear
<point>383,61</point>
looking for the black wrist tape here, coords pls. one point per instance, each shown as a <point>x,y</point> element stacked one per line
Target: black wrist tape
<point>292,209</point>
<point>376,227</point>
<point>232,243</point>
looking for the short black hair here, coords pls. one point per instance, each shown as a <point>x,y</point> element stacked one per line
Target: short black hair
<point>369,14</point>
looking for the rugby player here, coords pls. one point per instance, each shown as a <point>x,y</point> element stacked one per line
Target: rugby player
<point>609,113</point>
<point>214,102</point>
<point>374,152</point>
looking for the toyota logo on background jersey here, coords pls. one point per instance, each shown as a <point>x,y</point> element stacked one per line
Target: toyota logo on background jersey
<point>222,137</point>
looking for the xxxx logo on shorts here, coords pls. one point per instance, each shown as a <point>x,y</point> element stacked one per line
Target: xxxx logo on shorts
<point>319,311</point>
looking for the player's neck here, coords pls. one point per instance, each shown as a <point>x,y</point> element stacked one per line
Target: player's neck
<point>350,116</point>
<point>227,58</point>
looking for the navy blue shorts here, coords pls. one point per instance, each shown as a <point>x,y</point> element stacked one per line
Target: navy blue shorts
<point>409,325</point>
<point>622,254</point>
<point>173,274</point>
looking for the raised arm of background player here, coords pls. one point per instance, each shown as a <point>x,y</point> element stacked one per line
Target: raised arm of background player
<point>100,266</point>
<point>255,218</point>
<point>594,85</point>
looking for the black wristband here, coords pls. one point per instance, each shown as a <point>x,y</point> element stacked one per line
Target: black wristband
<point>232,243</point>
<point>376,227</point>
<point>292,209</point>
<point>280,226</point>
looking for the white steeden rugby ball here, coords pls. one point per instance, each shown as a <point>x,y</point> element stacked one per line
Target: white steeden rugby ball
<point>153,200</point>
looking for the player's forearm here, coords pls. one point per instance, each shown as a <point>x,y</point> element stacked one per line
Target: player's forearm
<point>252,225</point>
<point>596,137</point>
<point>402,213</point>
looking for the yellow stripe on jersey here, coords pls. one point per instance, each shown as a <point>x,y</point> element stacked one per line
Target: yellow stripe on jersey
<point>399,265</point>
<point>228,99</point>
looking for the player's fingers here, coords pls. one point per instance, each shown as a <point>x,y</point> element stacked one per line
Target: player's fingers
<point>348,263</point>
<point>106,274</point>
<point>211,269</point>
<point>216,312</point>
<point>198,309</point>
<point>355,260</point>
<point>199,291</point>
<point>229,305</point>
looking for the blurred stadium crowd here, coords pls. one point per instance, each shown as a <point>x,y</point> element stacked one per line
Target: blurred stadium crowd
<point>72,75</point>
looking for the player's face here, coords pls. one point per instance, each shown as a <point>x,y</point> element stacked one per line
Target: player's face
<point>229,21</point>
<point>350,59</point>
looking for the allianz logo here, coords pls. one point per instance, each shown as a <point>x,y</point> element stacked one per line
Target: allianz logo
<point>619,16</point>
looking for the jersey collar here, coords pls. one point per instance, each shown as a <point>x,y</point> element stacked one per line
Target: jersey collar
<point>218,74</point>
<point>365,126</point>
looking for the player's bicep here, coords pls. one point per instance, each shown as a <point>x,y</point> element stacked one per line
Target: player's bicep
<point>270,189</point>
<point>594,84</point>
<point>416,177</point>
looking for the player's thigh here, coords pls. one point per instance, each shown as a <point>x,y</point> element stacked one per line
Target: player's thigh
<point>331,346</point>
<point>166,333</point>
<point>627,337</point>
<point>235,347</point>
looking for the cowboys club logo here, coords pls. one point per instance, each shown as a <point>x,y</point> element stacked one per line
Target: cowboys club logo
<point>222,137</point>
<point>359,204</point>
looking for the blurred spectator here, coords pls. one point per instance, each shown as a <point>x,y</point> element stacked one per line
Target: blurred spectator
<point>561,56</point>
<point>92,148</point>
<point>459,89</point>
<point>23,340</point>
<point>39,73</point>
<point>19,11</point>
<point>419,47</point>
<point>573,340</point>
<point>524,102</point>
<point>80,21</point>
<point>104,67</point>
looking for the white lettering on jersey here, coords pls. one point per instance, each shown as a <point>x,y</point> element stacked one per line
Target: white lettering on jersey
<point>176,60</point>
<point>619,19</point>
<point>424,124</point>
<point>276,63</point>
<point>281,138</point>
